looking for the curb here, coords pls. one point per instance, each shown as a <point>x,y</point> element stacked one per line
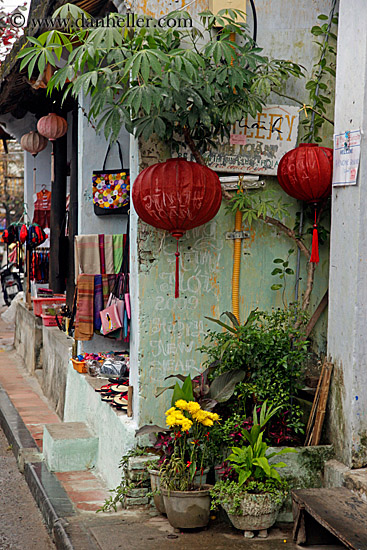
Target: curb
<point>44,486</point>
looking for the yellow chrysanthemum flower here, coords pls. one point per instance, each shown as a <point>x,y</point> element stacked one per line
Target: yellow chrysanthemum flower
<point>170,411</point>
<point>181,404</point>
<point>193,407</point>
<point>200,415</point>
<point>213,416</point>
<point>207,422</point>
<point>186,424</point>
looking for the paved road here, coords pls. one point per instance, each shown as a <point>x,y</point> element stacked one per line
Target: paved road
<point>21,525</point>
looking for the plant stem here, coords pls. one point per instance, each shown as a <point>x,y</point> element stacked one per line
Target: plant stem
<point>308,106</point>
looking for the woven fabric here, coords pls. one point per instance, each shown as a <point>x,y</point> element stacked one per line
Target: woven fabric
<point>118,251</point>
<point>85,308</point>
<point>108,252</point>
<point>98,301</point>
<point>101,254</point>
<point>87,256</point>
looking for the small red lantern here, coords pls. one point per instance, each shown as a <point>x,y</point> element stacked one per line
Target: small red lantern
<point>33,143</point>
<point>305,173</point>
<point>177,195</point>
<point>52,126</point>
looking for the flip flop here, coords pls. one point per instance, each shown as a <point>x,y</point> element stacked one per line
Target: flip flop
<point>119,388</point>
<point>103,388</point>
<point>120,400</point>
<point>108,398</point>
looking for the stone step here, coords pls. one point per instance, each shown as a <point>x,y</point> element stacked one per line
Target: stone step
<point>69,447</point>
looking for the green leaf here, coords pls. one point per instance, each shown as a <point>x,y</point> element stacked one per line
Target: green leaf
<point>276,271</point>
<point>278,261</point>
<point>223,386</point>
<point>218,322</point>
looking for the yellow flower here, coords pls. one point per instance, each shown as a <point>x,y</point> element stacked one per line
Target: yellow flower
<point>193,407</point>
<point>213,416</point>
<point>207,422</point>
<point>200,415</point>
<point>181,404</point>
<point>170,411</point>
<point>186,424</point>
<point>171,420</point>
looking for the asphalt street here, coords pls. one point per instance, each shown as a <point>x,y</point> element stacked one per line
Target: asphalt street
<point>21,524</point>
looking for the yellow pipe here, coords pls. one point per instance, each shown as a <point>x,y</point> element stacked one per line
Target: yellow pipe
<point>236,268</point>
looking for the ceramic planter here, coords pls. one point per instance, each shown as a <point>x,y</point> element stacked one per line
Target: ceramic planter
<point>155,482</point>
<point>258,512</point>
<point>187,509</point>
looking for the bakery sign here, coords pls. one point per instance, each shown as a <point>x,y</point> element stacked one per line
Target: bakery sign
<point>256,145</point>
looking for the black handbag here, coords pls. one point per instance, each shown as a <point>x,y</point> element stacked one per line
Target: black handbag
<point>111,188</point>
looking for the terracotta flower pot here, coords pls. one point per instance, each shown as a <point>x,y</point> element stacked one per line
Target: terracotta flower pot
<point>155,483</point>
<point>187,509</point>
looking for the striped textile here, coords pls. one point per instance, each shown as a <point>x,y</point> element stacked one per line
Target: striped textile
<point>108,252</point>
<point>87,254</point>
<point>118,251</point>
<point>101,254</point>
<point>98,301</point>
<point>85,309</point>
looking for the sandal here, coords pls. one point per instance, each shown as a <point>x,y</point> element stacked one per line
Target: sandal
<point>121,400</point>
<point>119,388</point>
<point>103,388</point>
<point>108,398</point>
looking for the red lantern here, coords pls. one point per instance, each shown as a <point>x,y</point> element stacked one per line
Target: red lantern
<point>305,173</point>
<point>177,195</point>
<point>52,126</point>
<point>33,143</point>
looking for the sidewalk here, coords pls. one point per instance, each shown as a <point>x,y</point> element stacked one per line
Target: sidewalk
<point>69,501</point>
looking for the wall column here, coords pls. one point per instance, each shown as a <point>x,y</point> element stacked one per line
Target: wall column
<point>347,330</point>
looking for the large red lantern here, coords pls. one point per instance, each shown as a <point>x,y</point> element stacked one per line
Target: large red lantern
<point>305,173</point>
<point>177,195</point>
<point>52,127</point>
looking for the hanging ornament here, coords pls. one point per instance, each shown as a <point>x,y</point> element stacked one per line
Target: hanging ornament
<point>52,127</point>
<point>305,173</point>
<point>177,195</point>
<point>33,143</point>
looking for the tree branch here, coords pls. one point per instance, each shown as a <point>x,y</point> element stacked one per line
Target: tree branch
<point>289,232</point>
<point>191,144</point>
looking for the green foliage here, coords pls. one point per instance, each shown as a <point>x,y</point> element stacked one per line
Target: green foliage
<point>185,392</point>
<point>119,493</point>
<point>282,270</point>
<point>257,204</point>
<point>319,86</point>
<point>192,81</point>
<point>251,462</point>
<point>268,348</point>
<point>231,494</point>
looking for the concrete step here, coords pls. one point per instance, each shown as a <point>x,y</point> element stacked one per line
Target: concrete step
<point>69,447</point>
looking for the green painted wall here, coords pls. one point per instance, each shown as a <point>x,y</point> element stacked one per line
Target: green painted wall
<point>172,329</point>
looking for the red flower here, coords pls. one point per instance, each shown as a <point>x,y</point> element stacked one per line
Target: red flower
<point>188,464</point>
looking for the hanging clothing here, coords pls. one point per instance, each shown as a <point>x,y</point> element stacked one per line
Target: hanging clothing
<point>101,254</point>
<point>118,251</point>
<point>87,257</point>
<point>98,301</point>
<point>84,312</point>
<point>108,253</point>
<point>42,208</point>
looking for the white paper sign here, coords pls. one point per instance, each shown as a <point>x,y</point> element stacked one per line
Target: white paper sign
<point>347,149</point>
<point>256,145</point>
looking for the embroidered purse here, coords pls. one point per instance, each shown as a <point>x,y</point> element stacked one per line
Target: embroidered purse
<point>111,189</point>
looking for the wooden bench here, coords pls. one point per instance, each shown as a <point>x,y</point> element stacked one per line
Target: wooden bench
<point>329,516</point>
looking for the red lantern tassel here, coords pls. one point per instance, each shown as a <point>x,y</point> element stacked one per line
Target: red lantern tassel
<point>177,279</point>
<point>315,244</point>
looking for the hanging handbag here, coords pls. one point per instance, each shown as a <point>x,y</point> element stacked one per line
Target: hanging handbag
<point>110,317</point>
<point>111,188</point>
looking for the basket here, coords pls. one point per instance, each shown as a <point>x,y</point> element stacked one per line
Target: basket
<point>79,366</point>
<point>49,320</point>
<point>39,302</point>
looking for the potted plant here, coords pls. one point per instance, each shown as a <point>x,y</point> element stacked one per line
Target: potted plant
<point>186,499</point>
<point>254,497</point>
